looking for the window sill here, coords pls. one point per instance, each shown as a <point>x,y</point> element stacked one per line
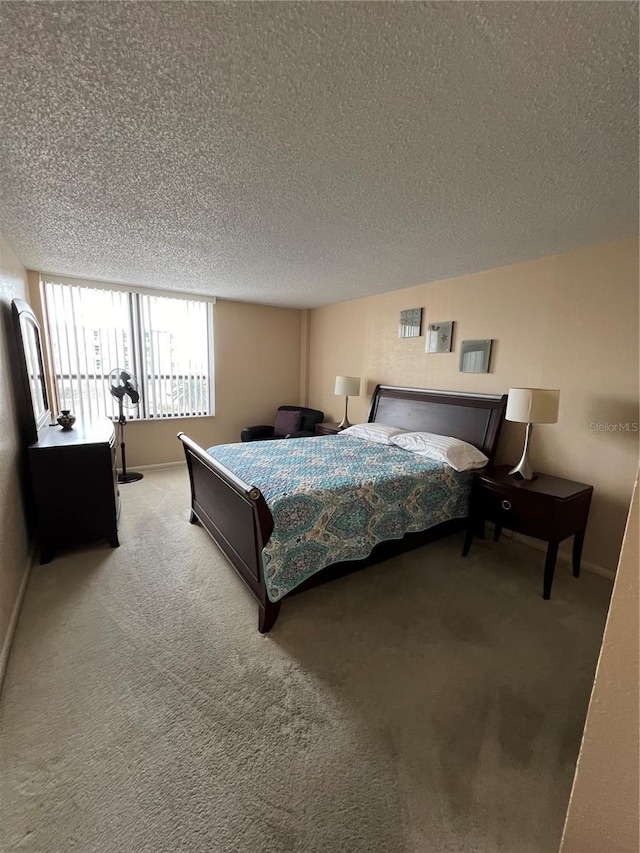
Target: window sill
<point>162,420</point>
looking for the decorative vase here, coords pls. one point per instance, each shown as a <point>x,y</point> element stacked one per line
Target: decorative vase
<point>66,419</point>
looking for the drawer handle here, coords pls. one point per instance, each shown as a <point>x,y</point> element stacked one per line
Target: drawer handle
<point>506,505</point>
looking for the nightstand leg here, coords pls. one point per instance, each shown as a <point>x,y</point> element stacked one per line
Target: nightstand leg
<point>578,542</point>
<point>497,531</point>
<point>549,569</point>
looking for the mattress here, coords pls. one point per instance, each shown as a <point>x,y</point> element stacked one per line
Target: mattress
<point>334,498</point>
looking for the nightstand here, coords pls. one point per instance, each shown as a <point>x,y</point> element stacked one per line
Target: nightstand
<point>327,429</point>
<point>547,508</point>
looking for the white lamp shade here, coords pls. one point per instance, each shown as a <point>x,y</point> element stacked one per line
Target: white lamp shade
<point>533,405</point>
<point>347,386</point>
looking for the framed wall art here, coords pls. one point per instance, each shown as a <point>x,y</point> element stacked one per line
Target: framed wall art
<point>410,323</point>
<point>475,356</point>
<point>439,337</point>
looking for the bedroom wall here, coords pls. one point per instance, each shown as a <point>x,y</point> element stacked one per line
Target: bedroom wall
<point>603,809</point>
<point>14,545</point>
<point>568,322</point>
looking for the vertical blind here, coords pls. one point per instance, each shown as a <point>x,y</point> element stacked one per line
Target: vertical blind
<point>165,342</point>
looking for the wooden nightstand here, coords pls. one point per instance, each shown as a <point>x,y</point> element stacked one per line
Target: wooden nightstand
<point>327,429</point>
<point>547,508</point>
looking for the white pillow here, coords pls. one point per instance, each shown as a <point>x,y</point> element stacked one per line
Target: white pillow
<point>459,455</point>
<point>380,433</point>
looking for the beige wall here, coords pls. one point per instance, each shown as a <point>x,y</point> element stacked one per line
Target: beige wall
<point>13,536</point>
<point>257,368</point>
<point>568,322</point>
<point>603,810</point>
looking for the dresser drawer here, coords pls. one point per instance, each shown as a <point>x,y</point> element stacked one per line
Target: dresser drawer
<point>523,512</point>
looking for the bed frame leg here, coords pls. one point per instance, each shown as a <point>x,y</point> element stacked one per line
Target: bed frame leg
<point>268,613</point>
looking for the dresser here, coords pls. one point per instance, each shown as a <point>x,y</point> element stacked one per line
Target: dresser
<point>75,486</point>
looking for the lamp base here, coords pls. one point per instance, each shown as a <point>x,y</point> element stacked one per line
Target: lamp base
<point>345,422</point>
<point>523,471</point>
<point>517,474</point>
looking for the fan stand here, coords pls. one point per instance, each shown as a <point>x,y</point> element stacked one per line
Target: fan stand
<point>125,476</point>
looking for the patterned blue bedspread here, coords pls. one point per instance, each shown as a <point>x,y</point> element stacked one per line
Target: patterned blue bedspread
<point>334,497</point>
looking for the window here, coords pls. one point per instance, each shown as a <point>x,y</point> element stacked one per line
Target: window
<point>166,342</point>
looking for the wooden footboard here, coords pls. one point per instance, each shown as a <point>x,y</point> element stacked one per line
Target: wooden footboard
<point>236,516</point>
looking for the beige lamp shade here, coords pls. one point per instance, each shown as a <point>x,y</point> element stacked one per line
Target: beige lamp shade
<point>347,386</point>
<point>533,405</point>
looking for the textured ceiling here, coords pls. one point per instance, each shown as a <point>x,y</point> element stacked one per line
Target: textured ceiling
<point>305,153</point>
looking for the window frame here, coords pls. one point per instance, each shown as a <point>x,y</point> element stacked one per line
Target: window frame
<point>135,320</point>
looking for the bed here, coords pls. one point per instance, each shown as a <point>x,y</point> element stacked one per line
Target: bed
<point>289,515</point>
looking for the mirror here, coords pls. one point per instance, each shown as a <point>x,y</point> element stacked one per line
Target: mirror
<point>30,354</point>
<point>475,356</point>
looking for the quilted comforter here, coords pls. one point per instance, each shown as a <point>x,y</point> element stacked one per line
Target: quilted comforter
<point>334,497</point>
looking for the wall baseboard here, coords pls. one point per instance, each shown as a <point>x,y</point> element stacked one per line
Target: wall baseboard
<point>565,557</point>
<point>15,614</point>
<point>159,466</point>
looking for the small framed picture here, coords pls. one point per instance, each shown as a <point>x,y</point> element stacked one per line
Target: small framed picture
<point>410,323</point>
<point>475,356</point>
<point>439,337</point>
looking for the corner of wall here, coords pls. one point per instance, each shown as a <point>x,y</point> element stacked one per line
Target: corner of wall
<point>305,316</point>
<point>33,288</point>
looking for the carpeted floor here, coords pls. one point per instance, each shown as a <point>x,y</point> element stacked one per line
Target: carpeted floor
<point>429,703</point>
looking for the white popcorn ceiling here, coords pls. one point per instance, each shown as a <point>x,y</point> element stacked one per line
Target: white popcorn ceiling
<point>306,153</point>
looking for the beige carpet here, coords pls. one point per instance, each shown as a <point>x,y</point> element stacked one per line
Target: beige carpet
<point>429,703</point>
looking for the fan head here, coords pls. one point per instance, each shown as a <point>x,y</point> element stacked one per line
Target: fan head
<point>124,387</point>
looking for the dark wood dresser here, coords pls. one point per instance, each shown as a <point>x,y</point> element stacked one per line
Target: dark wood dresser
<point>75,485</point>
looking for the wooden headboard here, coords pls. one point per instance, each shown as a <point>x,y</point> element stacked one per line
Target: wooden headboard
<point>476,418</point>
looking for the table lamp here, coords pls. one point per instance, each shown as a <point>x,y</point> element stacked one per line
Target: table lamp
<point>346,386</point>
<point>531,406</point>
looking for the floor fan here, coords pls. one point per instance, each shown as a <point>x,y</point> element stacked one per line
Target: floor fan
<point>123,386</point>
